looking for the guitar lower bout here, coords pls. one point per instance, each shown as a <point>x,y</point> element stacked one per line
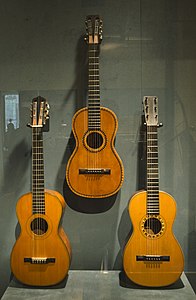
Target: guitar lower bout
<point>41,255</point>
<point>152,256</point>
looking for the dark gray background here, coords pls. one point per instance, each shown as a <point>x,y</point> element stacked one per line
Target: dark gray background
<point>148,48</point>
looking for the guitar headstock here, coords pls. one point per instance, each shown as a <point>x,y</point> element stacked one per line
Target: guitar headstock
<point>94,28</point>
<point>151,110</point>
<point>39,112</point>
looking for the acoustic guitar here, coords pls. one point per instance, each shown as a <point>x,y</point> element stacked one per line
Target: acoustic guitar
<point>94,169</point>
<point>42,253</point>
<point>152,256</point>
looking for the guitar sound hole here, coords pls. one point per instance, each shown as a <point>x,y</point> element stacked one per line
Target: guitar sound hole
<point>94,140</point>
<point>152,226</point>
<point>39,226</point>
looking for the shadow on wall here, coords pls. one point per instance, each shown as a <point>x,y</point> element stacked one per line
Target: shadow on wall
<point>16,158</point>
<point>81,75</point>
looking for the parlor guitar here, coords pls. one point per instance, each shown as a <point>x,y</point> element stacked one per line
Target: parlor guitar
<point>152,256</point>
<point>94,169</point>
<point>41,255</point>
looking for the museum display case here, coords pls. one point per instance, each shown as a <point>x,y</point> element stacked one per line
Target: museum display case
<point>95,63</point>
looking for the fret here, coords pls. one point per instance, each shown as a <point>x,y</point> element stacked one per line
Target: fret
<point>92,118</point>
<point>152,133</point>
<point>93,64</point>
<point>96,120</point>
<point>94,104</point>
<point>36,147</point>
<point>149,184</point>
<point>37,159</point>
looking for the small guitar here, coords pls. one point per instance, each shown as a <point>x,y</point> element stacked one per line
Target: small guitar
<point>41,255</point>
<point>94,170</point>
<point>152,256</point>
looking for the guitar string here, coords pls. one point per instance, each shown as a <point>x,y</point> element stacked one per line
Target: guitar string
<point>96,100</point>
<point>96,52</point>
<point>88,114</point>
<point>33,177</point>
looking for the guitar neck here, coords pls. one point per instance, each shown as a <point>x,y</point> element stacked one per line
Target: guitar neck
<point>152,171</point>
<point>93,88</point>
<point>38,202</point>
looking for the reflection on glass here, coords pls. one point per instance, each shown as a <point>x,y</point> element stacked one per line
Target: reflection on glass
<point>11,111</point>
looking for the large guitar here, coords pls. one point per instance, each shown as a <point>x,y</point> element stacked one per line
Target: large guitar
<point>41,255</point>
<point>94,170</point>
<point>152,256</point>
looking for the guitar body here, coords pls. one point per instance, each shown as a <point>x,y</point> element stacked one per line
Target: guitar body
<point>94,151</point>
<point>49,241</point>
<point>153,244</point>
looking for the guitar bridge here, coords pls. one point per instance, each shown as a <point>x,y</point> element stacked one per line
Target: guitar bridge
<point>151,258</point>
<point>95,171</point>
<point>39,260</point>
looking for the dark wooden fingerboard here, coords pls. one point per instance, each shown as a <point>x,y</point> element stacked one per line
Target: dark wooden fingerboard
<point>38,171</point>
<point>94,121</point>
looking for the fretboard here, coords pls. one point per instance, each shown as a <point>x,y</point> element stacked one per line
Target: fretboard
<point>93,88</point>
<point>152,171</point>
<point>37,171</point>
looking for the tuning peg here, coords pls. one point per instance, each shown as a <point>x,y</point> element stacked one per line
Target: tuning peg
<point>160,125</point>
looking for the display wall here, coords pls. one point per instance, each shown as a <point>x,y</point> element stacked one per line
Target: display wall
<point>148,48</point>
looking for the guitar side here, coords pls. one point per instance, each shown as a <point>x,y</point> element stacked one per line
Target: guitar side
<point>143,243</point>
<point>33,246</point>
<point>104,157</point>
